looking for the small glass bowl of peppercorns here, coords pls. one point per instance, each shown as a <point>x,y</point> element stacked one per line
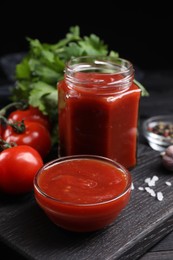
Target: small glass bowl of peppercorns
<point>158,130</point>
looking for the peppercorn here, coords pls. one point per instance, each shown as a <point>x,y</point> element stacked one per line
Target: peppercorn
<point>162,129</point>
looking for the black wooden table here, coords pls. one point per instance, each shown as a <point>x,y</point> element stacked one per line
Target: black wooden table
<point>144,230</point>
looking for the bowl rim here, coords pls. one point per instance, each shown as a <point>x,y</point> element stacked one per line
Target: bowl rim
<point>84,156</point>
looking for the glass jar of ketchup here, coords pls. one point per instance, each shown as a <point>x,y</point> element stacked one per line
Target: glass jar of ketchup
<point>98,109</point>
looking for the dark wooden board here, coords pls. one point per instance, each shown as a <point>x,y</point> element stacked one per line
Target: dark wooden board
<point>24,227</point>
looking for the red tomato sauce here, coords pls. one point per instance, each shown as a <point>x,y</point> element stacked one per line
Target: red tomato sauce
<point>91,122</point>
<point>83,195</point>
<point>83,181</point>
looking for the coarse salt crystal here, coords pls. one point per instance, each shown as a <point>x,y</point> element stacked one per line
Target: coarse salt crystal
<point>147,180</point>
<point>160,196</point>
<point>132,186</point>
<point>140,188</point>
<point>168,183</point>
<point>150,191</point>
<point>155,178</point>
<point>152,181</point>
<point>151,184</point>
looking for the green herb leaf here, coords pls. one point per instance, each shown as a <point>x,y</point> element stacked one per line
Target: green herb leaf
<point>93,46</point>
<point>23,70</point>
<point>144,92</point>
<point>43,96</point>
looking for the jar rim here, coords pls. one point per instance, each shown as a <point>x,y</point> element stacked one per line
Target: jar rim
<point>112,62</point>
<point>100,65</point>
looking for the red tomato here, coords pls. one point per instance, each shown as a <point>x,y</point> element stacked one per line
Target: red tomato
<point>18,166</point>
<point>30,114</point>
<point>35,135</point>
<point>2,129</point>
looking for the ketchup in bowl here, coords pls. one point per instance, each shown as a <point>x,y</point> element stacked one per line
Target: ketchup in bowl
<point>82,193</point>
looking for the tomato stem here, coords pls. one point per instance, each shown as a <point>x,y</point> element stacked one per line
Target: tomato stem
<point>19,105</point>
<point>5,145</point>
<point>18,126</point>
<point>3,120</point>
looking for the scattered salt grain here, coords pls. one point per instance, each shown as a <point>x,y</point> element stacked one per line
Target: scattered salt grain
<point>132,186</point>
<point>155,178</point>
<point>160,196</point>
<point>140,188</point>
<point>150,191</point>
<point>168,183</point>
<point>147,180</point>
<point>152,181</point>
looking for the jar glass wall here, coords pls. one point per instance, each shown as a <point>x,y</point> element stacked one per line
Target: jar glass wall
<point>98,109</point>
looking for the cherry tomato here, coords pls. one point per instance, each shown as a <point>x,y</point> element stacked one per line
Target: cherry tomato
<point>30,114</point>
<point>18,166</point>
<point>35,135</point>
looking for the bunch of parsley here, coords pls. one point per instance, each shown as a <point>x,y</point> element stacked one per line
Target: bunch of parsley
<point>43,66</point>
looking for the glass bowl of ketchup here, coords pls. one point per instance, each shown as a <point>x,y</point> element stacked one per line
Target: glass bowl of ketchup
<point>82,193</point>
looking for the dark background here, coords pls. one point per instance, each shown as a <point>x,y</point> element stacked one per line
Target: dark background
<point>142,34</point>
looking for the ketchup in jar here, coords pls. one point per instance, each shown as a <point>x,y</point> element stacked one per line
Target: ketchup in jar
<point>98,109</point>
